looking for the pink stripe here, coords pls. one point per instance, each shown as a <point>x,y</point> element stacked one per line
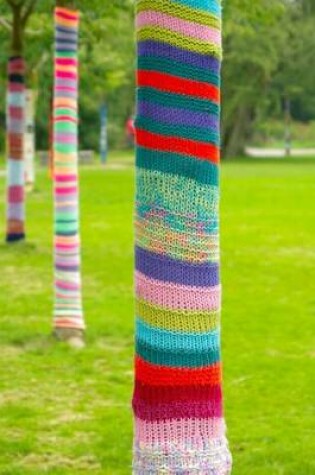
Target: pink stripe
<point>63,74</point>
<point>66,88</point>
<point>16,194</point>
<point>65,178</point>
<point>181,430</point>
<point>173,296</point>
<point>15,112</point>
<point>66,62</point>
<point>188,28</point>
<point>67,285</point>
<point>64,138</point>
<point>66,191</point>
<point>16,87</point>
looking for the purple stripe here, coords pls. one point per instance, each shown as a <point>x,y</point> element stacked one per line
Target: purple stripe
<point>173,115</point>
<point>178,410</point>
<point>155,48</point>
<point>167,269</point>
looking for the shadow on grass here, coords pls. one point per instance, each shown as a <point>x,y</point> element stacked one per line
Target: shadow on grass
<point>21,247</point>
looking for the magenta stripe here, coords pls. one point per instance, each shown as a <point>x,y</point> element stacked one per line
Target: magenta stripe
<point>65,178</point>
<point>72,189</point>
<point>16,194</point>
<point>188,28</point>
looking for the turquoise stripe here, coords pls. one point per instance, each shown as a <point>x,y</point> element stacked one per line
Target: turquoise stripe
<point>177,100</point>
<point>178,360</point>
<point>176,341</point>
<point>68,215</point>
<point>210,6</point>
<point>200,170</point>
<point>62,227</point>
<point>176,68</point>
<point>200,134</point>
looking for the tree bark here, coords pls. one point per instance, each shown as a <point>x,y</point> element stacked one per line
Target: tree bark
<point>179,423</point>
<point>68,313</point>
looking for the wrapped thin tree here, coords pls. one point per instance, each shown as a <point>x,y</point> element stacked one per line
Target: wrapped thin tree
<point>179,424</point>
<point>68,314</point>
<point>21,10</point>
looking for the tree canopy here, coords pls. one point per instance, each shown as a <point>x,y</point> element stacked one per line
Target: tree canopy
<point>268,48</point>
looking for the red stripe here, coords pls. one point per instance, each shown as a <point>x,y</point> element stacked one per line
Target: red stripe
<point>157,375</point>
<point>173,393</point>
<point>67,14</point>
<point>201,150</point>
<point>169,83</point>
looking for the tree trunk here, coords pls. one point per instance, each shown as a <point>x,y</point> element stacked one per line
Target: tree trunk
<point>29,139</point>
<point>15,132</point>
<point>68,313</point>
<point>235,140</point>
<point>103,133</point>
<point>179,424</point>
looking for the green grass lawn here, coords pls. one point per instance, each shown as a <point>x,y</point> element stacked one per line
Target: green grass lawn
<point>68,412</point>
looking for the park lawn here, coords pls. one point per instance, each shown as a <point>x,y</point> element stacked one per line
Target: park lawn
<point>68,412</point>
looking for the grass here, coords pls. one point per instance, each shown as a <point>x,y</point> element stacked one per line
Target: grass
<point>66,412</point>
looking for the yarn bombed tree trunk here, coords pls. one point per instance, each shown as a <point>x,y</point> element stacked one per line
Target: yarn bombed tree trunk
<point>15,142</point>
<point>179,424</point>
<point>68,314</point>
<point>29,139</point>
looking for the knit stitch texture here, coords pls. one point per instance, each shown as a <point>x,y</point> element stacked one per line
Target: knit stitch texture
<point>179,424</point>
<point>15,141</point>
<point>68,306</point>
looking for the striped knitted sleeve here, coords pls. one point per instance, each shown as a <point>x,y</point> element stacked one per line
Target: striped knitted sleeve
<point>179,423</point>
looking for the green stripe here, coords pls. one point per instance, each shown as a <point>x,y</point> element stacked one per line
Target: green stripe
<point>178,320</point>
<point>165,65</point>
<point>60,227</point>
<point>63,148</point>
<point>65,54</point>
<point>166,162</point>
<point>200,134</point>
<point>179,11</point>
<point>177,100</point>
<point>65,111</point>
<point>170,37</point>
<point>177,193</point>
<point>65,127</point>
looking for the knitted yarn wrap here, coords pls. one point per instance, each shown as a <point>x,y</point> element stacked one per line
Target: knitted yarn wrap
<point>68,306</point>
<point>15,141</point>
<point>179,423</point>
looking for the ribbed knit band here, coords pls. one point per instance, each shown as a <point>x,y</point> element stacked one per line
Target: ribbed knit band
<point>179,424</point>
<point>68,307</point>
<point>15,137</point>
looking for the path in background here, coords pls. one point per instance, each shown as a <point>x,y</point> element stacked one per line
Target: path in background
<point>257,152</point>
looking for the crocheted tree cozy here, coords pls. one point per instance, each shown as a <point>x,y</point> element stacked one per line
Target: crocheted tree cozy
<point>15,142</point>
<point>68,312</point>
<point>179,424</point>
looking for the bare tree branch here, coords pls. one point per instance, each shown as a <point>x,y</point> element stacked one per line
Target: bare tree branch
<point>28,11</point>
<point>5,23</point>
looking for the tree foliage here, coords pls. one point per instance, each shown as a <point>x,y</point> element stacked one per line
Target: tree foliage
<point>268,55</point>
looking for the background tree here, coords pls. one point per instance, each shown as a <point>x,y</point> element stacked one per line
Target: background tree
<point>21,10</point>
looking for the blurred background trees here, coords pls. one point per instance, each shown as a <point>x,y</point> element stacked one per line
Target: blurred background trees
<point>268,72</point>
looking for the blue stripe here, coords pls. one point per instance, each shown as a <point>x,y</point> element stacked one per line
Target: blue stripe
<point>176,341</point>
<point>211,6</point>
<point>166,269</point>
